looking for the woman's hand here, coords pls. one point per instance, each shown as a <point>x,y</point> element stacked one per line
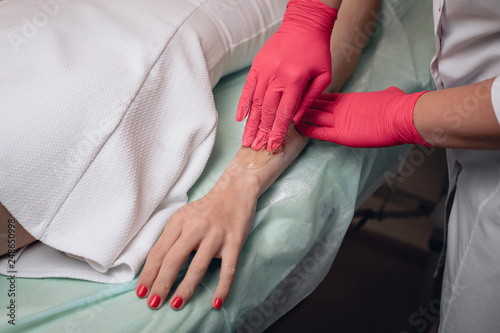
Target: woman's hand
<point>215,226</point>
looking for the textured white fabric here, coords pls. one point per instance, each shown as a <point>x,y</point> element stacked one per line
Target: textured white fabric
<point>108,119</point>
<point>468,51</point>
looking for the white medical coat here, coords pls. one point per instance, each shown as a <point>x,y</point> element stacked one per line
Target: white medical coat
<point>468,51</point>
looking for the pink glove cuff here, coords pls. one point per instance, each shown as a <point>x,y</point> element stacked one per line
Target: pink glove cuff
<point>407,130</point>
<point>312,16</point>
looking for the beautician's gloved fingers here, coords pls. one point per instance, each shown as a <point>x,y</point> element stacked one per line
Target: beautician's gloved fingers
<point>313,90</point>
<point>268,115</point>
<point>197,269</point>
<point>155,259</point>
<point>245,102</point>
<point>170,267</point>
<point>227,273</point>
<point>251,129</point>
<point>290,104</point>
<point>319,118</point>
<point>286,110</point>
<point>319,133</point>
<point>254,118</point>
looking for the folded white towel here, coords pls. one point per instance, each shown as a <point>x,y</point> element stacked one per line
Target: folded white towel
<point>107,119</point>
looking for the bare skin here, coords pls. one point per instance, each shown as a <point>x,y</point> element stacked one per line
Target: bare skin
<point>351,32</point>
<point>217,225</point>
<point>22,237</point>
<point>333,3</point>
<point>461,117</point>
<point>213,227</point>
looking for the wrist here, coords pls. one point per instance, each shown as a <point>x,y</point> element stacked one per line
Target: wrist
<point>404,108</point>
<point>332,3</point>
<point>310,16</point>
<point>418,138</point>
<point>239,181</point>
<point>424,124</point>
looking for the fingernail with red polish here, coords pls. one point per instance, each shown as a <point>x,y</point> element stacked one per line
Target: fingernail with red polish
<point>217,303</point>
<point>142,291</point>
<point>154,301</point>
<point>177,302</point>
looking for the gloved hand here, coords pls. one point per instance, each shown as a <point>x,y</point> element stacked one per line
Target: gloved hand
<point>367,119</point>
<point>290,71</point>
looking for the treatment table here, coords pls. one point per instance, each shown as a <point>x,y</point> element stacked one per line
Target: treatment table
<point>299,223</point>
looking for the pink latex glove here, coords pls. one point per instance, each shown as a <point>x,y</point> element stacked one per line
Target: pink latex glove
<point>288,74</point>
<point>367,119</point>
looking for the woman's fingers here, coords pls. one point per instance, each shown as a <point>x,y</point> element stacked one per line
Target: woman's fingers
<point>197,226</point>
<point>227,273</point>
<point>170,266</point>
<point>155,258</point>
<point>195,273</point>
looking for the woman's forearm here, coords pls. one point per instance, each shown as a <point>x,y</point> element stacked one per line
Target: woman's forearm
<point>332,3</point>
<point>255,181</point>
<point>351,32</point>
<point>461,117</point>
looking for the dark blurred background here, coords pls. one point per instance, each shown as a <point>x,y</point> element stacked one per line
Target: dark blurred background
<point>382,278</point>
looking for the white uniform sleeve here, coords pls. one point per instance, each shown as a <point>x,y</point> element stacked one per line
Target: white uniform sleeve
<point>495,97</point>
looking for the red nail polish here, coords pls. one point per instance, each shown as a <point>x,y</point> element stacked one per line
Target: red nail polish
<point>154,301</point>
<point>142,291</point>
<point>217,303</point>
<point>177,302</point>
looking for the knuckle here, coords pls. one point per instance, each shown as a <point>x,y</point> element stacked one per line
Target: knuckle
<point>264,131</point>
<point>202,224</point>
<point>217,235</point>
<point>327,75</point>
<point>157,253</point>
<point>285,116</point>
<point>236,241</point>
<point>257,102</point>
<point>185,291</point>
<point>198,268</point>
<point>249,85</point>
<point>148,275</point>
<point>162,287</point>
<point>295,76</point>
<point>224,290</point>
<point>268,112</point>
<point>169,262</point>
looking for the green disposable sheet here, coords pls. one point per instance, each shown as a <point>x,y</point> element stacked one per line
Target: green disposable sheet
<point>299,224</point>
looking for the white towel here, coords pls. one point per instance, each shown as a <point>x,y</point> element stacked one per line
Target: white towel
<point>107,119</point>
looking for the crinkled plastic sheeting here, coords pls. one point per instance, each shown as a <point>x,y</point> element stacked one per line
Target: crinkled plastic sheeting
<point>300,221</point>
